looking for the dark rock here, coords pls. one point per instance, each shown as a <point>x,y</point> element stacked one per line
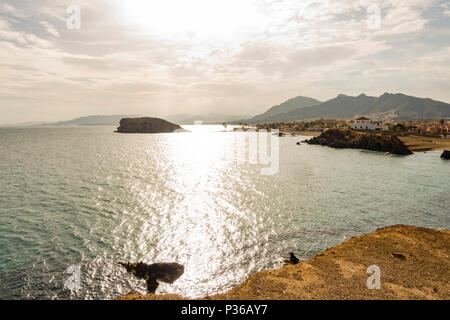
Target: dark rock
<point>152,284</point>
<point>298,143</point>
<point>147,125</point>
<point>399,256</point>
<point>336,138</point>
<point>152,273</point>
<point>293,258</point>
<point>445,155</point>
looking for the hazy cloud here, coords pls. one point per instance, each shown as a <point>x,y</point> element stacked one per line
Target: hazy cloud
<point>240,57</point>
<point>50,29</point>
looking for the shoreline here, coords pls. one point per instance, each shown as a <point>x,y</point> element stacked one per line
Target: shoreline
<point>302,133</point>
<point>423,144</point>
<point>413,142</point>
<point>413,262</point>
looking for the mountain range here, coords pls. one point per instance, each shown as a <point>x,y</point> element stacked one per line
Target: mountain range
<point>96,120</point>
<point>288,106</point>
<point>211,118</point>
<point>113,120</point>
<point>301,108</point>
<point>347,107</point>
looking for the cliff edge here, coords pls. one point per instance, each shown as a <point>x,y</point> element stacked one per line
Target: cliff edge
<point>413,262</point>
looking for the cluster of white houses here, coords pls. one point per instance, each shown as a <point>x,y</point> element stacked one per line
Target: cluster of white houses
<point>363,123</point>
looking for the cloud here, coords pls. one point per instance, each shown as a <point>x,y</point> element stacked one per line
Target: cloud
<point>9,34</point>
<point>405,19</point>
<point>446,9</point>
<point>314,47</point>
<point>50,29</point>
<point>9,9</point>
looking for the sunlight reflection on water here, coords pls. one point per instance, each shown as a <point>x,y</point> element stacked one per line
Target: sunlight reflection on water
<point>86,196</point>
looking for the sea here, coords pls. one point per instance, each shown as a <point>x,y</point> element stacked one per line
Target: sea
<point>76,201</point>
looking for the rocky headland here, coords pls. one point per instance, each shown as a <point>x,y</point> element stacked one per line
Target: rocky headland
<point>337,138</point>
<point>413,263</point>
<point>147,125</point>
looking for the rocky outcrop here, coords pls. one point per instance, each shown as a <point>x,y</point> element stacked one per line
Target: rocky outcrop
<point>413,264</point>
<point>292,259</point>
<point>445,155</point>
<point>373,141</point>
<point>152,273</point>
<point>147,125</point>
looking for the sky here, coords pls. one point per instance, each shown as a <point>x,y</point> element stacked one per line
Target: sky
<point>240,57</point>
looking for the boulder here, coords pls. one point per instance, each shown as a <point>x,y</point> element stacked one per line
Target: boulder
<point>445,155</point>
<point>152,273</point>
<point>337,138</point>
<point>147,125</point>
<point>292,259</point>
<point>399,256</point>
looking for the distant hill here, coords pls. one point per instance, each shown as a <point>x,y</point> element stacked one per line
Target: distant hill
<point>189,119</point>
<point>347,107</point>
<point>113,120</point>
<point>97,120</point>
<point>24,124</point>
<point>288,106</point>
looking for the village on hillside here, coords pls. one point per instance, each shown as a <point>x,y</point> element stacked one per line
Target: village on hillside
<point>436,129</point>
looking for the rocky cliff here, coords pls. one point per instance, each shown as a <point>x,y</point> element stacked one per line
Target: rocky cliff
<point>337,138</point>
<point>147,125</point>
<point>413,263</point>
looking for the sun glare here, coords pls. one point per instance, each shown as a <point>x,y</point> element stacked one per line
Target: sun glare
<point>193,18</point>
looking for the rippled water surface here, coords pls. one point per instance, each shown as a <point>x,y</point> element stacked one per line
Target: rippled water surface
<point>86,196</point>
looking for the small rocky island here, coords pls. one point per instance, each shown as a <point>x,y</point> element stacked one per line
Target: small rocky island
<point>147,125</point>
<point>445,155</point>
<point>337,138</point>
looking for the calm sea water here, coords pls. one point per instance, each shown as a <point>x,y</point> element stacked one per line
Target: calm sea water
<point>88,197</point>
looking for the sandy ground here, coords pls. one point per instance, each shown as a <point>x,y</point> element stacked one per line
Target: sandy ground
<point>413,262</point>
<point>302,133</point>
<point>418,143</point>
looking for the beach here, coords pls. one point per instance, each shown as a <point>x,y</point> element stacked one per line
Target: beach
<point>421,143</point>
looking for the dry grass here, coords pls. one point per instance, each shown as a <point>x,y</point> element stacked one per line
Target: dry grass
<point>419,143</point>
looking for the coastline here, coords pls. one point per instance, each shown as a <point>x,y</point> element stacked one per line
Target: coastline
<point>413,261</point>
<point>302,133</point>
<point>413,142</point>
<point>420,143</point>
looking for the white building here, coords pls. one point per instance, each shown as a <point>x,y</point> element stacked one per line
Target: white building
<point>363,123</point>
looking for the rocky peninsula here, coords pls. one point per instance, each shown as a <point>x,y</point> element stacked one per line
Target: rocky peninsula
<point>413,262</point>
<point>147,125</point>
<point>337,138</point>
